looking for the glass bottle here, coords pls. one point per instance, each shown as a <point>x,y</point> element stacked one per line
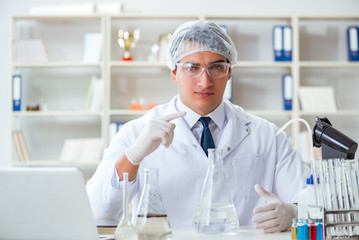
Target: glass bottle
<point>319,226</point>
<point>302,229</point>
<point>151,218</point>
<point>294,228</point>
<point>215,211</point>
<point>125,230</point>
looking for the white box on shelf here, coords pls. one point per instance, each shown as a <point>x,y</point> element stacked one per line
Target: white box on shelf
<point>109,8</point>
<point>92,51</point>
<point>31,50</point>
<point>66,9</point>
<point>317,99</point>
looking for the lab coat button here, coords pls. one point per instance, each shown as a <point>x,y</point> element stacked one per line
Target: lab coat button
<point>194,145</point>
<point>247,129</point>
<point>229,149</point>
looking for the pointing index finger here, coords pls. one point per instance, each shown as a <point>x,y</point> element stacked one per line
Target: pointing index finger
<point>172,116</point>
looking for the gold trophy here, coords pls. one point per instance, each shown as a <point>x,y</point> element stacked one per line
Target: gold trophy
<point>127,41</point>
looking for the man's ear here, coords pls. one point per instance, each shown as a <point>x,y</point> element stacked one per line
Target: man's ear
<point>173,75</point>
<point>229,73</point>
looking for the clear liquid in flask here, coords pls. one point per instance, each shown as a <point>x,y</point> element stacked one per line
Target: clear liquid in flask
<point>215,211</point>
<point>216,219</point>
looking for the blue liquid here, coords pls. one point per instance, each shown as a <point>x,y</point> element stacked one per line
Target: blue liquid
<point>319,231</point>
<point>302,231</point>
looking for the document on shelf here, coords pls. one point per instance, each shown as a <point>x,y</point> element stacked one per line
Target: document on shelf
<point>82,150</point>
<point>20,146</point>
<point>94,96</point>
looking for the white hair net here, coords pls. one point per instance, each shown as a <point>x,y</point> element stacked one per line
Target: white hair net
<point>199,36</point>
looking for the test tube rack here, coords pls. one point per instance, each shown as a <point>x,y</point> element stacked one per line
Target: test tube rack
<point>336,215</point>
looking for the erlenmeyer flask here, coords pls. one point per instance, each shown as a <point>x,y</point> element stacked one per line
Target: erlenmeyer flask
<point>125,230</point>
<point>215,211</point>
<point>151,219</point>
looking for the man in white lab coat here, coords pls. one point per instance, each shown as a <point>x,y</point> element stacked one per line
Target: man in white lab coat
<point>168,137</point>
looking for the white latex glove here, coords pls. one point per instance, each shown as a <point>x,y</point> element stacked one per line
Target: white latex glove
<point>276,215</point>
<point>157,131</point>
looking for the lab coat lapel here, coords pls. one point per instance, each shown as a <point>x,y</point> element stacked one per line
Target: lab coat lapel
<point>182,133</point>
<point>236,131</point>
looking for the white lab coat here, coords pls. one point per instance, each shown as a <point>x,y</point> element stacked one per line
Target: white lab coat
<point>253,154</point>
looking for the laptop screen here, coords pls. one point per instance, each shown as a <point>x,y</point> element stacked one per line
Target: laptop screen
<point>45,203</point>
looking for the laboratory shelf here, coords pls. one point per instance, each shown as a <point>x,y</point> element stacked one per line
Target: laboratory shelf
<point>56,163</point>
<point>162,17</point>
<point>336,113</point>
<point>268,113</point>
<point>256,78</point>
<point>58,17</point>
<point>57,113</point>
<point>327,64</point>
<point>262,64</point>
<point>137,64</point>
<point>125,112</point>
<point>56,65</point>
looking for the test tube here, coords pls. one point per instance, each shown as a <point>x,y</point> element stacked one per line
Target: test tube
<point>312,230</point>
<point>337,195</point>
<point>302,229</point>
<point>354,166</point>
<point>294,229</point>
<point>319,228</point>
<point>327,196</point>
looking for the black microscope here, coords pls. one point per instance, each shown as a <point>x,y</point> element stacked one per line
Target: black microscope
<point>334,143</point>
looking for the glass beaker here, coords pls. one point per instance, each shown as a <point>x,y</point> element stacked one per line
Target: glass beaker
<point>125,230</point>
<point>151,219</point>
<point>215,211</point>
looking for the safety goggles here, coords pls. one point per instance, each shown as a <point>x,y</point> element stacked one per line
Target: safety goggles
<point>195,70</point>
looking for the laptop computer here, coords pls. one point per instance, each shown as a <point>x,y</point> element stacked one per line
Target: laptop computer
<point>45,203</point>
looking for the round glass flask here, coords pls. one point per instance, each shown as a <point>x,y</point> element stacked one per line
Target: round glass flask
<point>151,219</point>
<point>215,211</point>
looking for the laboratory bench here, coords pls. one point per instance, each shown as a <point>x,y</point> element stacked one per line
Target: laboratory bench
<point>244,233</point>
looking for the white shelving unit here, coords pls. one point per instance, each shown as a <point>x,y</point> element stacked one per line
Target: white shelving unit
<point>317,60</point>
<point>62,82</point>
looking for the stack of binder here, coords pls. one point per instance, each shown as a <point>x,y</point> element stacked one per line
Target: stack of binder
<point>282,43</point>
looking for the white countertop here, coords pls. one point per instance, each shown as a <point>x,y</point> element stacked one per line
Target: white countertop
<point>244,232</point>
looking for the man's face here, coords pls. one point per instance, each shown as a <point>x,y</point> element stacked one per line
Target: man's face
<point>201,94</point>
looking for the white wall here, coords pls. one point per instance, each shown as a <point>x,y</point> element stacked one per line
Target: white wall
<point>245,7</point>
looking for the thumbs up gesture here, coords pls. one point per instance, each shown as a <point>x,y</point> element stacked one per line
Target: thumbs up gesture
<point>276,215</point>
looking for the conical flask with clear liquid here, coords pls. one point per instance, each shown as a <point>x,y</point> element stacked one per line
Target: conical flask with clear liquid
<point>125,229</point>
<point>215,211</point>
<point>151,218</point>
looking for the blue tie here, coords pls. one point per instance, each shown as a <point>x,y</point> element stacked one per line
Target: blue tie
<point>206,139</point>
